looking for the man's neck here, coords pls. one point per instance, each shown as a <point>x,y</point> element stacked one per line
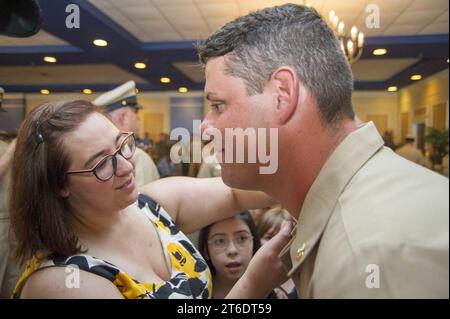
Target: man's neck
<point>301,163</point>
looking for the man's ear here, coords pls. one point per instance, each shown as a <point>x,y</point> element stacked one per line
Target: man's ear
<point>286,85</point>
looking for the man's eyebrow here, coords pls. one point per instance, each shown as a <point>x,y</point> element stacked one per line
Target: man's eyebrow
<point>210,95</point>
<point>93,157</point>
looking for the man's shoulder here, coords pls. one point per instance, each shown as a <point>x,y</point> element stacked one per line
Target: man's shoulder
<point>388,174</point>
<point>392,200</point>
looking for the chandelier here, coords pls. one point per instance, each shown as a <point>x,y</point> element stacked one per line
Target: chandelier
<point>352,45</point>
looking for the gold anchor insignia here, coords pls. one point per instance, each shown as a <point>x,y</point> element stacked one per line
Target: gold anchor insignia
<point>301,252</point>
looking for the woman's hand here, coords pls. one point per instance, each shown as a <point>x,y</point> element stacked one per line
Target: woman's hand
<point>265,271</point>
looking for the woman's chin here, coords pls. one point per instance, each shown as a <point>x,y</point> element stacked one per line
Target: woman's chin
<point>131,198</point>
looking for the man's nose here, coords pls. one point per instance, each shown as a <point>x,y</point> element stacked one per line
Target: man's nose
<point>207,124</point>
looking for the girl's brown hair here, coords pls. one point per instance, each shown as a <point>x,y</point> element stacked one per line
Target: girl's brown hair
<point>272,218</point>
<point>40,215</point>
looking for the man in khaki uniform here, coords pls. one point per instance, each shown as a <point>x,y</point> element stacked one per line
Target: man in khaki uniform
<point>370,224</point>
<point>122,105</point>
<point>373,225</point>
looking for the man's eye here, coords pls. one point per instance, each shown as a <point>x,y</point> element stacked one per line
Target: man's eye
<point>218,106</point>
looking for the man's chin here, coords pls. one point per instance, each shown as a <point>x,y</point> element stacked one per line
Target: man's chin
<point>236,178</point>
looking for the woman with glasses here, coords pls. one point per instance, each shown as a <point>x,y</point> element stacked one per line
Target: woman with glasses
<point>88,232</point>
<point>228,246</point>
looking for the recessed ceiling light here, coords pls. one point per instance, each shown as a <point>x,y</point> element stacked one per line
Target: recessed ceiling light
<point>416,77</point>
<point>165,80</point>
<point>380,51</point>
<point>45,91</point>
<point>100,42</point>
<point>140,65</point>
<point>183,90</point>
<point>392,89</point>
<point>87,91</point>
<point>50,59</point>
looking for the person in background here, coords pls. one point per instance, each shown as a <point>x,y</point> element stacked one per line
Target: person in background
<point>410,152</point>
<point>123,107</point>
<point>162,146</point>
<point>228,246</point>
<point>165,166</point>
<point>10,269</point>
<point>269,225</point>
<point>388,138</point>
<point>257,213</point>
<point>146,143</point>
<point>445,162</point>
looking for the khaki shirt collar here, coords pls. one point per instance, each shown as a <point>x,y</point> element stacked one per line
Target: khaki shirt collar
<point>353,152</point>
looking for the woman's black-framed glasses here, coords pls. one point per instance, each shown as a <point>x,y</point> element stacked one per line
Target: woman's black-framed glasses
<point>107,166</point>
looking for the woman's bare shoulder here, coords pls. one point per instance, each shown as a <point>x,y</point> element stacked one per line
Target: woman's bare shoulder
<point>68,283</point>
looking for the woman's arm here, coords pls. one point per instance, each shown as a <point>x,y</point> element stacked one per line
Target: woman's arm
<point>59,283</point>
<point>195,203</point>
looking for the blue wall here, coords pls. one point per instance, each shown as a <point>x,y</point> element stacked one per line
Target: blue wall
<point>184,110</point>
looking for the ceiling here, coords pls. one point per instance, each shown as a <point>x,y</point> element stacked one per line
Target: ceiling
<point>161,33</point>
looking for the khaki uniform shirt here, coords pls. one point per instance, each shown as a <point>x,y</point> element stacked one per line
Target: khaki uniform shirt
<point>146,170</point>
<point>373,225</point>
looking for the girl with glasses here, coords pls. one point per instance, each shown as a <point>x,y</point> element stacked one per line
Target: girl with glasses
<point>228,246</point>
<point>86,231</point>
